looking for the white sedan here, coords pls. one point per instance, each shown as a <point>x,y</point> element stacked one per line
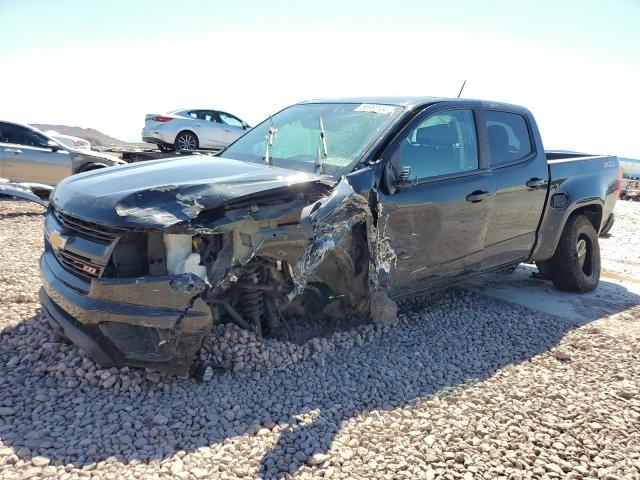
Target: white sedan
<point>192,129</point>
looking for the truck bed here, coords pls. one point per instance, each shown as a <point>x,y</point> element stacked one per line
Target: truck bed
<point>560,155</point>
<point>574,176</point>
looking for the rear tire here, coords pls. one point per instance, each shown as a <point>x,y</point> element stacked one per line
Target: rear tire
<point>575,266</point>
<point>186,142</point>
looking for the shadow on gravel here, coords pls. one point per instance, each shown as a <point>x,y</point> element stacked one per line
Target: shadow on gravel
<point>54,407</point>
<point>524,288</point>
<point>6,215</point>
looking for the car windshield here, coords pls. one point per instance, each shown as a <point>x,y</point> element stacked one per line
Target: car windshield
<point>349,129</point>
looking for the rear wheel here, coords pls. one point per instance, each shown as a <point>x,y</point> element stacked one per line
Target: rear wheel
<point>575,266</point>
<point>163,147</point>
<point>186,141</point>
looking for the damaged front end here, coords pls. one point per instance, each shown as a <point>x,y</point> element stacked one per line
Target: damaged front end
<point>145,288</point>
<point>31,191</point>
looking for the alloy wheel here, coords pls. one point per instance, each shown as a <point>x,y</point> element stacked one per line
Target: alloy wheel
<point>186,141</point>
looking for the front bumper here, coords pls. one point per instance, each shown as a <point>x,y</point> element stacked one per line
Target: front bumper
<point>155,322</point>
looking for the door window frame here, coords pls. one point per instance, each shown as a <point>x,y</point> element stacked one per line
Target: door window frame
<point>27,131</point>
<point>229,115</point>
<point>485,133</point>
<point>419,118</point>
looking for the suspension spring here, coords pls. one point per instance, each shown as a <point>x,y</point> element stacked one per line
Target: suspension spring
<point>253,299</point>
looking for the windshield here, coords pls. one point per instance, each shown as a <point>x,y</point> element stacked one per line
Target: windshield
<point>349,129</point>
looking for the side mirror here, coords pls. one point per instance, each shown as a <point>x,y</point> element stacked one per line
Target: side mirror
<point>245,126</point>
<point>53,146</point>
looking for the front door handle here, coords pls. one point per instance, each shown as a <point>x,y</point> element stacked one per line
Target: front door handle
<point>13,150</point>
<point>536,182</point>
<point>478,196</point>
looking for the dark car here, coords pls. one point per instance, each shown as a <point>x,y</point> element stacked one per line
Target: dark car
<point>329,208</point>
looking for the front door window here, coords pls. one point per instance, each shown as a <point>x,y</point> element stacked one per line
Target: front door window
<point>443,144</point>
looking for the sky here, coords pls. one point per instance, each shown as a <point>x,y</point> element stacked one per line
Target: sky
<point>105,64</point>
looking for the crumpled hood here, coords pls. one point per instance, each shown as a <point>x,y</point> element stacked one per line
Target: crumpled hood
<point>93,155</point>
<point>161,193</point>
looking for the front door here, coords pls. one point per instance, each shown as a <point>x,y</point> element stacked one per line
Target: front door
<point>233,128</point>
<point>436,221</point>
<point>28,158</point>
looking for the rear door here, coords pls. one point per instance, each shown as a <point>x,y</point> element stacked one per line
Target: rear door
<point>28,158</point>
<point>520,175</point>
<point>436,222</point>
<point>233,128</point>
<point>207,127</point>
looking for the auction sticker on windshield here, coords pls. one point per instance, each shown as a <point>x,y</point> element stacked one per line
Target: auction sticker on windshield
<point>372,107</point>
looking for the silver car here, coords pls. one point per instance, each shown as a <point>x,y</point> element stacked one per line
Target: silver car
<point>28,155</point>
<point>192,129</point>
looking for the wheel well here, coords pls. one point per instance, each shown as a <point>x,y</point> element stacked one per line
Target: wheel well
<point>189,131</point>
<point>593,213</point>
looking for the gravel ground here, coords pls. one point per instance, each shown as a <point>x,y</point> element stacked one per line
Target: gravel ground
<point>624,240</point>
<point>463,387</point>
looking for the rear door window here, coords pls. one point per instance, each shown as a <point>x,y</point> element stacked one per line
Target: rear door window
<point>206,115</point>
<point>509,138</point>
<point>209,116</point>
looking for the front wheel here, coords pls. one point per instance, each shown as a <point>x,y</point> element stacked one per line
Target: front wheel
<point>575,266</point>
<point>186,141</point>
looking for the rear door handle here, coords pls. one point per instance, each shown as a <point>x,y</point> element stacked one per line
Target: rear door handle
<point>13,150</point>
<point>536,182</point>
<point>478,196</point>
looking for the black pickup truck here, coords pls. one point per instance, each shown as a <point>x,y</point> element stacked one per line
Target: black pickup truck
<point>327,209</point>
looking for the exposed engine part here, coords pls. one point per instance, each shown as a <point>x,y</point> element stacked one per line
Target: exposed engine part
<point>181,257</point>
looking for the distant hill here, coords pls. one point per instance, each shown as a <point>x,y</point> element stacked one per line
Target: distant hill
<point>97,139</point>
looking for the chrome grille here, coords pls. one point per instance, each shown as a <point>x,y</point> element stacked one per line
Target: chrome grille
<point>92,230</point>
<point>79,265</point>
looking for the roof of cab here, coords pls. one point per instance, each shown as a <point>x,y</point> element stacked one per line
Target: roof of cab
<point>417,102</point>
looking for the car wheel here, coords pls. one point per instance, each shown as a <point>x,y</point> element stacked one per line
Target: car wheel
<point>186,141</point>
<point>607,226</point>
<point>163,147</point>
<point>575,266</point>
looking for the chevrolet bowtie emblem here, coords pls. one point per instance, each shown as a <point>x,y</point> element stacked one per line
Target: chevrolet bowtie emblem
<point>57,240</point>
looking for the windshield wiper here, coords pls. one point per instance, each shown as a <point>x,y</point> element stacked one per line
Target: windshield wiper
<point>322,150</point>
<point>267,149</point>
